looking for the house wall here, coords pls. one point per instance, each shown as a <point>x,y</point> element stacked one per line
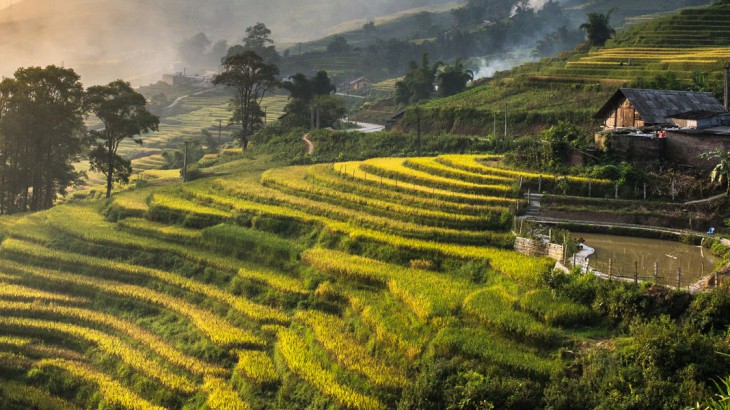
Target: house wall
<point>630,147</point>
<point>622,117</point>
<point>685,148</point>
<point>360,85</point>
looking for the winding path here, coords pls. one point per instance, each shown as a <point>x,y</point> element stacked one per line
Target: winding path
<point>310,144</point>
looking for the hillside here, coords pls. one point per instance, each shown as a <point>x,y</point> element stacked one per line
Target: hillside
<point>574,85</point>
<point>333,284</point>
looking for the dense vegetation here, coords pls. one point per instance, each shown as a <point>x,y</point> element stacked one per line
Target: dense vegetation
<point>374,272</point>
<point>332,285</point>
<point>671,52</point>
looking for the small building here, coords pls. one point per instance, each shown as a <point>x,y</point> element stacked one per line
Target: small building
<point>360,83</point>
<point>390,122</point>
<point>639,108</point>
<point>701,119</point>
<point>182,79</point>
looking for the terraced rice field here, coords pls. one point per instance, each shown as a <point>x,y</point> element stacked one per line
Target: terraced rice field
<point>331,278</point>
<point>693,39</point>
<point>632,62</point>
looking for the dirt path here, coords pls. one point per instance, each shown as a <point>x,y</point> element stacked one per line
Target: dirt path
<point>559,221</point>
<point>178,100</point>
<point>310,144</point>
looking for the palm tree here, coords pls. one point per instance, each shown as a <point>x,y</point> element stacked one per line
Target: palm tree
<point>597,29</point>
<point>721,171</point>
<point>453,79</point>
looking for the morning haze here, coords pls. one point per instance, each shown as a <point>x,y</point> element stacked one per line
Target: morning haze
<point>137,40</point>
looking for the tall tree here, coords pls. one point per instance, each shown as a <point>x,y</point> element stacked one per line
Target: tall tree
<point>597,28</point>
<point>453,79</point>
<point>310,97</point>
<point>251,77</point>
<point>258,39</point>
<point>124,115</point>
<point>418,83</point>
<point>41,130</point>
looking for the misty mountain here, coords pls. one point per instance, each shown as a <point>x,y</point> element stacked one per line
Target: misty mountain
<point>136,39</point>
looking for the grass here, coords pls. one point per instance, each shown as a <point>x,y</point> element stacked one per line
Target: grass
<point>309,284</point>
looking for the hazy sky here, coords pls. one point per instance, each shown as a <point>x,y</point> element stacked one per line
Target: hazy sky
<point>6,3</point>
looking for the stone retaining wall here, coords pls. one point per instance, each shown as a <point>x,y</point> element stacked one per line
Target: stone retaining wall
<point>534,247</point>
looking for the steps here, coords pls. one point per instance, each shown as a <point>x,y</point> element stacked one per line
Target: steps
<point>533,204</point>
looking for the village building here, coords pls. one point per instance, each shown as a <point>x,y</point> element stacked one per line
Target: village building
<point>360,84</point>
<point>638,108</point>
<point>659,125</point>
<point>180,78</point>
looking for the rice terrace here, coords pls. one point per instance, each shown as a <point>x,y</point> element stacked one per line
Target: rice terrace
<point>483,204</point>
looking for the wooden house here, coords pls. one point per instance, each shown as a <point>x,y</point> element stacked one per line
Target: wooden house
<point>360,83</point>
<point>638,108</point>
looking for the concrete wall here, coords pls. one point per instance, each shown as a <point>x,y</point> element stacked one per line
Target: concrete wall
<point>685,148</point>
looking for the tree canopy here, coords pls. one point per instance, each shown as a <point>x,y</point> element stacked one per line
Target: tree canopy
<point>597,28</point>
<point>418,83</point>
<point>453,79</point>
<point>310,97</point>
<point>251,77</point>
<point>124,115</point>
<point>41,136</point>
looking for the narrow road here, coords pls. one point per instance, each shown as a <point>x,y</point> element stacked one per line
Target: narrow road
<point>367,127</point>
<point>310,144</point>
<point>178,100</point>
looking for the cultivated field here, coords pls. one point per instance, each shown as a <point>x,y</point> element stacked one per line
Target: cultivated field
<point>220,293</point>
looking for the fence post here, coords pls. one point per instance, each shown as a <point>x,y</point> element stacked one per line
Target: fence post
<point>615,194</point>
<point>539,184</point>
<point>644,191</point>
<point>610,267</point>
<point>590,186</point>
<point>636,272</point>
<point>520,182</point>
<point>679,278</point>
<point>656,271</point>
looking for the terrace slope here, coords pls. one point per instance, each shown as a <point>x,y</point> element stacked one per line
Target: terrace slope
<point>575,85</point>
<point>335,284</point>
<point>227,290</point>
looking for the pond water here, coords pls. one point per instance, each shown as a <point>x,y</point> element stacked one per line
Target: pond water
<point>629,254</point>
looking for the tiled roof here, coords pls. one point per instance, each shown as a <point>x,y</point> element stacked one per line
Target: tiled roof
<point>657,106</point>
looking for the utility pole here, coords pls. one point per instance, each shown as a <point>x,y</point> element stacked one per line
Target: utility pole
<point>418,131</point>
<point>505,119</point>
<point>185,163</point>
<point>317,114</point>
<point>220,130</point>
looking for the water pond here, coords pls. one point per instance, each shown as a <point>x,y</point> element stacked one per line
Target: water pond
<point>647,256</point>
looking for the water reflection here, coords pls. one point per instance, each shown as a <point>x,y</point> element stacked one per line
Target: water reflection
<point>648,257</point>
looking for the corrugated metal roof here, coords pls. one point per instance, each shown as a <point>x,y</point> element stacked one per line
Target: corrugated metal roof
<point>657,106</point>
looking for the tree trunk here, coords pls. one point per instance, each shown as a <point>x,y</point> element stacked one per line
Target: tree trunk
<point>110,167</point>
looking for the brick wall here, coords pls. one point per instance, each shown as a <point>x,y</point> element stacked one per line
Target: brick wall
<point>685,148</point>
<point>628,147</point>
